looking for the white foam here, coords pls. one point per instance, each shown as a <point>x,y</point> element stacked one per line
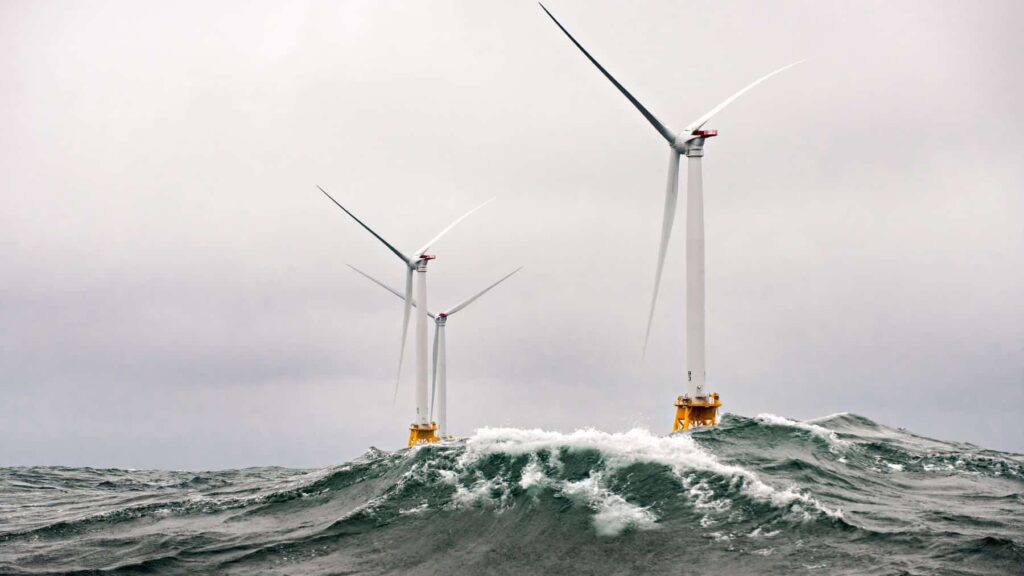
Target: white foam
<point>532,475</point>
<point>449,476</point>
<point>828,417</point>
<point>820,431</point>
<point>621,449</point>
<point>937,467</point>
<point>482,493</point>
<point>613,514</point>
<point>414,510</point>
<point>704,496</point>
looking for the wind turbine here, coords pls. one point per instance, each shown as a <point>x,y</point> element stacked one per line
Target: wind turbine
<point>440,386</point>
<point>693,408</point>
<point>422,429</point>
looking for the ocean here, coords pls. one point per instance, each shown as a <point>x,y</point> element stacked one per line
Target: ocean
<point>755,495</point>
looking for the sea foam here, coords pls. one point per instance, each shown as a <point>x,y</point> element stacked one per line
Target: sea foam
<point>613,513</point>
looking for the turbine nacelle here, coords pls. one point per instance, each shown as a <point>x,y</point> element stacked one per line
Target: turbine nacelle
<point>683,143</point>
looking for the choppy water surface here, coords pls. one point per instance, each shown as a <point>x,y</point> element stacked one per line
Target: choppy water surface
<point>764,495</point>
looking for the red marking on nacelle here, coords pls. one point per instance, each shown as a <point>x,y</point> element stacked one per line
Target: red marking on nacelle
<point>443,314</point>
<point>705,133</point>
<point>427,257</point>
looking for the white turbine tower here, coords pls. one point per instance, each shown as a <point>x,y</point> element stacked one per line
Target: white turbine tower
<point>422,429</point>
<point>693,408</point>
<point>440,387</point>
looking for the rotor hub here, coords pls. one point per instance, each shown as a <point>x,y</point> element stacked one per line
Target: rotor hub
<point>424,259</point>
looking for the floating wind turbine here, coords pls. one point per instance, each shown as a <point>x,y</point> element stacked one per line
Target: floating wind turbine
<point>440,387</point>
<point>422,430</point>
<point>691,143</point>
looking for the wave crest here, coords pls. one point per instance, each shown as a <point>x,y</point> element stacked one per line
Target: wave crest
<point>613,453</point>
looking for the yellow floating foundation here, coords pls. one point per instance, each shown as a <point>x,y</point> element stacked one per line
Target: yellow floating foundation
<point>691,412</point>
<point>423,434</point>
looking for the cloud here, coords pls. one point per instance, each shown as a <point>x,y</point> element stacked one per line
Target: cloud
<point>174,291</point>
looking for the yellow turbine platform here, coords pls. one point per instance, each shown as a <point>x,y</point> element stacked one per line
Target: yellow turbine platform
<point>694,412</point>
<point>423,434</point>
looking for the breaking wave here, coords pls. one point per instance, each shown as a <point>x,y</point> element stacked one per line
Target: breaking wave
<point>761,495</point>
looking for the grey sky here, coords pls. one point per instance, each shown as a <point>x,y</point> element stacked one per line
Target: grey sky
<point>173,289</point>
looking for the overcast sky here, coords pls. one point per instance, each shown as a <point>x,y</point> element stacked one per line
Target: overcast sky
<point>173,289</point>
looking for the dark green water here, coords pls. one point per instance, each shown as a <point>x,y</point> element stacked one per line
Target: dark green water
<point>765,495</point>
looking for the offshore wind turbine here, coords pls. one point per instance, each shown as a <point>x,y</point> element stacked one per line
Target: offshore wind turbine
<point>422,430</point>
<point>440,386</point>
<point>694,407</point>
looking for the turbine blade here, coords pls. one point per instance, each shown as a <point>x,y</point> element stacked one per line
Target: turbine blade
<point>699,122</point>
<point>405,328</point>
<point>379,283</point>
<point>427,246</point>
<point>665,132</point>
<point>386,287</point>
<point>368,229</point>
<point>469,301</point>
<point>671,195</point>
<point>433,380</point>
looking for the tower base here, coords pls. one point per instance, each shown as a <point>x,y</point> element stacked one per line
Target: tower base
<point>694,412</point>
<point>423,434</point>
